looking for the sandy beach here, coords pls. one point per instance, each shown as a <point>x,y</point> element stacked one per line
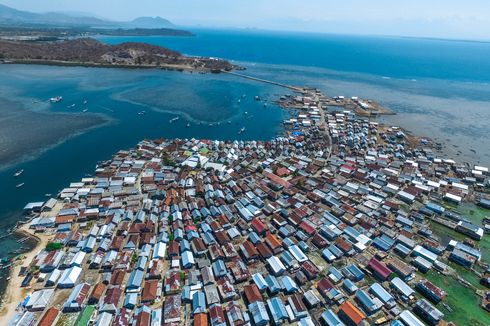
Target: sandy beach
<point>14,294</point>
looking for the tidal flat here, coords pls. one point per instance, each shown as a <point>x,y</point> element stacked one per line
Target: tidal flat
<point>24,132</point>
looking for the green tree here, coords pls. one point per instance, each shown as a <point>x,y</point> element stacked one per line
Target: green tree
<point>53,246</point>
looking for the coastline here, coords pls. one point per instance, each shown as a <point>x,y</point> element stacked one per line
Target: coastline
<point>14,294</point>
<point>12,299</point>
<point>61,63</point>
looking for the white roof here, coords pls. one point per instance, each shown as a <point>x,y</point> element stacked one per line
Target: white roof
<point>70,276</point>
<point>276,264</point>
<point>409,318</point>
<point>40,299</point>
<point>453,197</point>
<point>481,168</point>
<point>78,258</point>
<point>459,186</point>
<point>159,250</point>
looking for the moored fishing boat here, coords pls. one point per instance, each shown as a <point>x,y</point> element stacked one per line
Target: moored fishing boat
<point>18,173</point>
<point>56,99</point>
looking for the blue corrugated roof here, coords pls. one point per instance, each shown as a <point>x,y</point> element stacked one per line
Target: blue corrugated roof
<point>331,318</point>
<point>277,308</point>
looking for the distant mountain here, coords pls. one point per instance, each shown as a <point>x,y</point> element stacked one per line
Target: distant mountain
<point>11,16</point>
<point>8,14</point>
<point>151,22</point>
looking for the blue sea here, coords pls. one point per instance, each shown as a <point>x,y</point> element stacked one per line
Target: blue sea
<point>437,88</point>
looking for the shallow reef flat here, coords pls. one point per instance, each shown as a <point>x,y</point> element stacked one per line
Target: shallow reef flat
<point>24,132</point>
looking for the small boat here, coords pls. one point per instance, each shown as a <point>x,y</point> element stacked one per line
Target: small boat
<point>20,185</point>
<point>447,307</point>
<point>188,125</point>
<point>265,105</point>
<point>219,123</point>
<point>245,112</point>
<point>257,98</point>
<point>47,195</point>
<point>174,119</point>
<point>18,173</point>
<point>239,100</point>
<point>229,122</point>
<point>84,110</point>
<point>85,102</point>
<point>242,130</point>
<point>56,99</point>
<point>142,113</point>
<point>71,106</point>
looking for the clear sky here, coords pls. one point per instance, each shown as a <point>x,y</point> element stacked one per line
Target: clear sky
<point>434,18</point>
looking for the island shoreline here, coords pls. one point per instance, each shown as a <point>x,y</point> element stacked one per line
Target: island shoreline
<point>14,293</point>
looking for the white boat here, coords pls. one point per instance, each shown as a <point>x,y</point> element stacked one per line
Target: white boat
<point>18,173</point>
<point>85,110</point>
<point>56,99</point>
<point>174,119</point>
<point>229,122</point>
<point>85,102</point>
<point>246,112</point>
<point>141,112</point>
<point>188,125</point>
<point>242,130</point>
<point>20,185</point>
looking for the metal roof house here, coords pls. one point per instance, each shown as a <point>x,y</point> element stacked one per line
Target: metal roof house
<point>259,313</point>
<point>366,301</point>
<point>297,253</point>
<point>402,288</point>
<point>289,285</point>
<point>198,302</point>
<point>219,268</point>
<point>69,277</point>
<point>329,318</point>
<point>135,280</point>
<point>260,282</point>
<point>159,250</point>
<point>409,319</point>
<point>277,310</point>
<point>39,300</point>
<point>273,284</point>
<point>428,312</point>
<point>277,267</point>
<point>76,298</point>
<point>187,259</point>
<point>380,292</point>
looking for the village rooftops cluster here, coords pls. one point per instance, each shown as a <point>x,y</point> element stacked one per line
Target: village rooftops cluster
<point>327,225</point>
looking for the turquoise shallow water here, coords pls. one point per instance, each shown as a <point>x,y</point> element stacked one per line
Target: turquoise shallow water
<point>437,88</point>
<point>118,95</point>
<point>393,57</point>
